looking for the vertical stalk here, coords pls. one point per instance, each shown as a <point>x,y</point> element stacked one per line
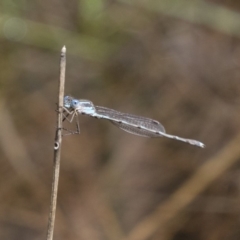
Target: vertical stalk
<point>57,146</point>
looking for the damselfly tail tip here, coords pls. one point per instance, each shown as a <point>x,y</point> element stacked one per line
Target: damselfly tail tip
<point>198,144</point>
<point>202,145</point>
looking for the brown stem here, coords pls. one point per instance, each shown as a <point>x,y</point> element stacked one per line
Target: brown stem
<point>57,146</point>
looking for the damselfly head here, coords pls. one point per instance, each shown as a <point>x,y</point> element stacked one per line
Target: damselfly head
<point>70,102</point>
<point>81,105</point>
<point>67,103</point>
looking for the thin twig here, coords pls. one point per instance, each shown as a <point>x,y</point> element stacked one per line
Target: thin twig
<point>57,147</point>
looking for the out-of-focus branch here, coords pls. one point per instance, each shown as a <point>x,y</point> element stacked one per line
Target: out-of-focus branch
<point>45,36</point>
<point>198,12</point>
<point>204,176</point>
<point>19,158</point>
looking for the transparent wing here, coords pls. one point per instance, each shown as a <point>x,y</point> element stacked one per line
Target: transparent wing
<point>138,125</point>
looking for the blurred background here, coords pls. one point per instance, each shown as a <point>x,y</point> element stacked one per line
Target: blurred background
<point>174,61</point>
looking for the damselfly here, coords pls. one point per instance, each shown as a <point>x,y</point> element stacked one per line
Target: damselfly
<point>133,124</point>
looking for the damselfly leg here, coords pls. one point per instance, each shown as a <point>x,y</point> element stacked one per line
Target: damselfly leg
<point>73,115</point>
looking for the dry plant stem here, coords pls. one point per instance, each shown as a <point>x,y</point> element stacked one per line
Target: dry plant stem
<point>57,147</point>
